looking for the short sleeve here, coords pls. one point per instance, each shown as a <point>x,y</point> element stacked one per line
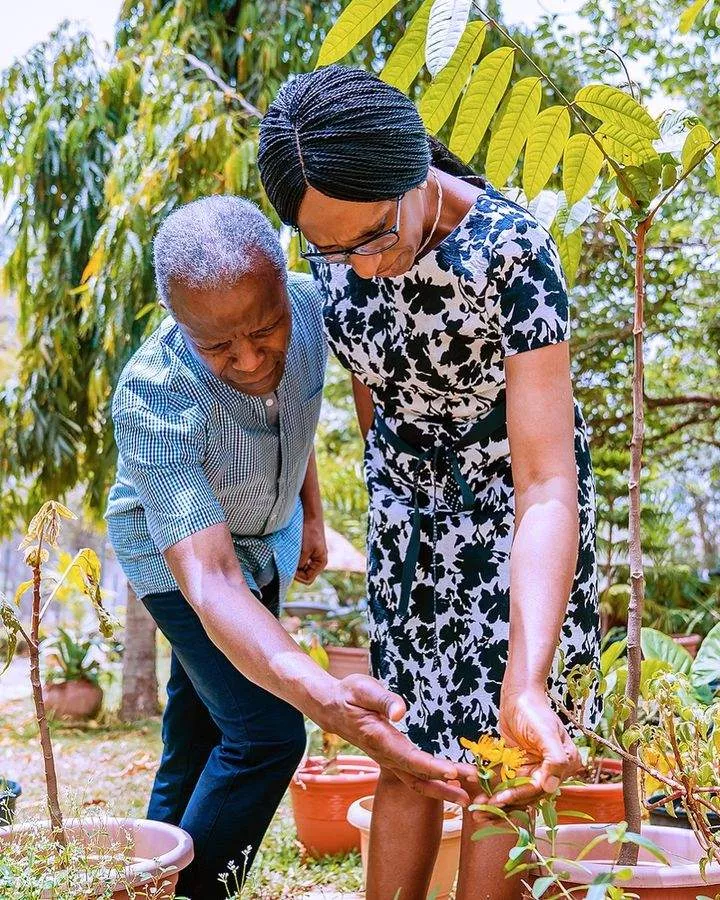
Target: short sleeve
<point>162,446</point>
<point>533,297</point>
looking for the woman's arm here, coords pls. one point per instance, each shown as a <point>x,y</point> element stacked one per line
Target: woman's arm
<point>364,406</point>
<point>313,554</point>
<point>543,557</point>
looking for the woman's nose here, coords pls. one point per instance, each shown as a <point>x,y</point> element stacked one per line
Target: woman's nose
<point>365,266</point>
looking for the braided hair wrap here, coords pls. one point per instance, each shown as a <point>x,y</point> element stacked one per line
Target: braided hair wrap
<point>343,132</point>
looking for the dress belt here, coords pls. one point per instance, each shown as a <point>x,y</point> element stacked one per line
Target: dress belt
<point>484,427</point>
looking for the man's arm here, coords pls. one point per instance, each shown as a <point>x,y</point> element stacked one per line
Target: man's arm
<point>357,708</point>
<point>313,553</point>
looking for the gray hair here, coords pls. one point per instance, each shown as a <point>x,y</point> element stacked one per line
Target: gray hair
<point>211,242</point>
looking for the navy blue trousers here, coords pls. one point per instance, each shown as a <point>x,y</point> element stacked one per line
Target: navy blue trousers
<point>230,749</point>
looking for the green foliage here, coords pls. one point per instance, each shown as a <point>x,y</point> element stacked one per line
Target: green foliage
<point>92,158</point>
<point>355,21</point>
<point>480,101</point>
<point>440,98</point>
<point>75,657</point>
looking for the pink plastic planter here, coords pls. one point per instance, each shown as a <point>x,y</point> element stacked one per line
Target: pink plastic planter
<point>160,851</point>
<point>681,880</point>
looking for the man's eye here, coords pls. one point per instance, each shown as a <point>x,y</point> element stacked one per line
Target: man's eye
<point>216,349</point>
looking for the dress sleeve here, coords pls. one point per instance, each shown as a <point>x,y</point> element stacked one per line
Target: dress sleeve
<point>533,299</point>
<point>162,445</point>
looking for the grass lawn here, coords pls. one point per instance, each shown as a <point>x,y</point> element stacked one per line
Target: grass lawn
<point>109,767</point>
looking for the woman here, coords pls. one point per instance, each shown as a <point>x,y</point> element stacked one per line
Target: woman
<point>447,303</point>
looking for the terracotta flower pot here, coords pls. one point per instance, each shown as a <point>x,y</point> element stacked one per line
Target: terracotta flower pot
<point>348,661</point>
<point>73,700</point>
<point>448,858</point>
<point>651,880</point>
<point>604,802</point>
<point>320,802</point>
<point>158,852</point>
<point>691,642</point>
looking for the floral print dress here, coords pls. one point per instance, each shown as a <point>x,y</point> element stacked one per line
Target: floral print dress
<point>431,345</point>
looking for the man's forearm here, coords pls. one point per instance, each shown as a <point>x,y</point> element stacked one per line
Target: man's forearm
<point>255,642</point>
<point>310,491</point>
<point>542,568</point>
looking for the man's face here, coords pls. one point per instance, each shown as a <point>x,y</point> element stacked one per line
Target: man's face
<point>240,331</point>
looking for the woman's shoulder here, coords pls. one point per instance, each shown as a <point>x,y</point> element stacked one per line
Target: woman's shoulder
<point>498,219</point>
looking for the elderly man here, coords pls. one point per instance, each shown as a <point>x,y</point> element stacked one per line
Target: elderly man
<point>215,509</point>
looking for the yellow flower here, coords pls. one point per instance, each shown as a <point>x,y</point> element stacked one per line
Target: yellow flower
<point>660,763</point>
<point>489,751</point>
<point>512,759</point>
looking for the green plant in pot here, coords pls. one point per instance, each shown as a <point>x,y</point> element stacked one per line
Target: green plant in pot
<point>99,858</point>
<point>344,639</point>
<point>72,676</point>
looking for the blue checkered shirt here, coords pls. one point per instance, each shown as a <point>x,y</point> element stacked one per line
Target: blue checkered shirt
<point>194,452</point>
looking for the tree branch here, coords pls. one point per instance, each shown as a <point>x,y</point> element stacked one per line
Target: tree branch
<point>704,399</point>
<point>229,91</point>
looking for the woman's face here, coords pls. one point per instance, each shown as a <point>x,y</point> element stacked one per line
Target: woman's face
<point>334,225</point>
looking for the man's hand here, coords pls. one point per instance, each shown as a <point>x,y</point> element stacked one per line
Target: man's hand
<point>313,553</point>
<point>528,721</point>
<point>362,711</point>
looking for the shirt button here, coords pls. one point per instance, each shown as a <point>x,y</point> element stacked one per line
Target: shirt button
<point>269,402</point>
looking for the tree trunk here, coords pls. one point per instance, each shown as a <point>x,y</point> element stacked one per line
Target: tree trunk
<point>139,674</point>
<point>631,793</point>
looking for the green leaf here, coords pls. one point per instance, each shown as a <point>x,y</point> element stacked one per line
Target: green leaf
<point>696,143</point>
<point>647,844</point>
<point>545,145</point>
<point>512,128</point>
<point>717,169</point>
<point>576,814</point>
<point>636,184</point>
<point>687,19</point>
<point>353,23</point>
<point>625,147</point>
<point>489,831</point>
<point>541,885</point>
<point>481,99</point>
<point>656,645</point>
<point>620,236</point>
<point>610,104</point>
<point>569,248</point>
<point>445,31</point>
<point>649,668</point>
<point>440,98</point>
<point>611,654</point>
<point>705,668</point>
<point>408,56</point>
<point>582,162</point>
<point>21,588</point>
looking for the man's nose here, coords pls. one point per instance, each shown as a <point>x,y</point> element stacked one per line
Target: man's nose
<point>365,266</point>
<point>246,358</point>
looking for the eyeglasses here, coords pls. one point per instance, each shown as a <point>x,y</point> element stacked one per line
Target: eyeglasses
<point>381,242</point>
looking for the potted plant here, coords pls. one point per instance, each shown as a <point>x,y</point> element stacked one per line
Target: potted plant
<point>118,858</point>
<point>597,789</point>
<point>323,790</point>
<point>72,687</point>
<point>345,640</point>
<point>9,792</point>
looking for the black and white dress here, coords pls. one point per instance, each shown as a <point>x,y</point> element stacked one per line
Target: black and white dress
<point>430,345</point>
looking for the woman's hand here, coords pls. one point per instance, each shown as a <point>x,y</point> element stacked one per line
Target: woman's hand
<point>361,710</point>
<point>528,721</point>
<point>313,553</point>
